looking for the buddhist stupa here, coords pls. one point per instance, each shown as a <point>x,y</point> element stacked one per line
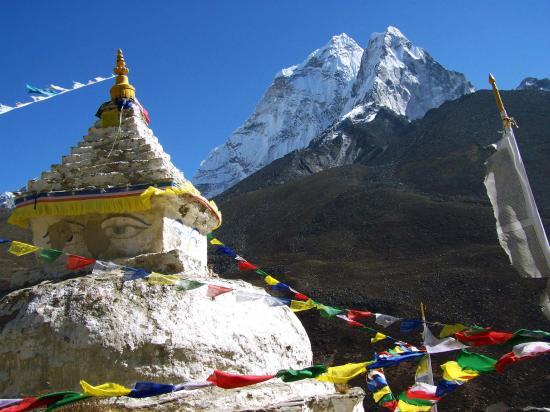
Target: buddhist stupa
<point>117,195</point>
<point>118,198</point>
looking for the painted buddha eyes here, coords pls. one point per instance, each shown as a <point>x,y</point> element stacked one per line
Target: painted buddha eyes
<point>123,227</point>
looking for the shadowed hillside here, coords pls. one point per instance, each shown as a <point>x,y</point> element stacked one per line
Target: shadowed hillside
<point>408,226</point>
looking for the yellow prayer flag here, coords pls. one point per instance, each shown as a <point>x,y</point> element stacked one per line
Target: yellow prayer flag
<point>378,337</point>
<point>452,371</point>
<point>421,374</point>
<point>343,373</point>
<point>159,279</point>
<point>106,389</point>
<point>270,280</point>
<point>20,248</point>
<point>381,393</point>
<point>450,330</point>
<point>299,305</point>
<point>403,406</point>
<point>216,242</point>
<point>398,349</point>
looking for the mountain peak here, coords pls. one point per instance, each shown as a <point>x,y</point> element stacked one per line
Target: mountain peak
<point>532,83</point>
<point>339,53</point>
<point>403,78</point>
<point>338,80</point>
<point>302,101</point>
<point>340,40</point>
<point>392,39</point>
<point>391,31</point>
<point>394,31</point>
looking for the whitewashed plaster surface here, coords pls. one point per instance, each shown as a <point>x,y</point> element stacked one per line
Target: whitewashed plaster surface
<point>100,328</point>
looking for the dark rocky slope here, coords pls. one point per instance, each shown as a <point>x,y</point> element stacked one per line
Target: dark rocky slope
<point>410,225</point>
<point>449,141</point>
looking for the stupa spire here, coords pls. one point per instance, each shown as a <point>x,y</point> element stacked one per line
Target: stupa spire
<point>122,88</point>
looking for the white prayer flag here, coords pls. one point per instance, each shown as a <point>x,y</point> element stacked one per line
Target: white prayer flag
<point>58,88</point>
<point>531,349</point>
<point>385,320</point>
<point>519,227</point>
<point>434,345</point>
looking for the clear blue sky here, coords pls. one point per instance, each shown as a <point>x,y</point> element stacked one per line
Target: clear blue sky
<point>200,66</point>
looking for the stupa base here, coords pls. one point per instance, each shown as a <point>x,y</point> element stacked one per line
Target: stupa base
<point>305,396</point>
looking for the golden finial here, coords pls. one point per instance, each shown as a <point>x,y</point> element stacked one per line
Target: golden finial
<point>506,121</point>
<point>122,88</point>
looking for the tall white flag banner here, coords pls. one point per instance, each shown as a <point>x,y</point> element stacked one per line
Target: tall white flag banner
<point>519,227</point>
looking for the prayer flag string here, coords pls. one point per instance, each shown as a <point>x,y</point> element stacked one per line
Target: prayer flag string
<point>456,336</point>
<point>419,397</point>
<point>40,94</point>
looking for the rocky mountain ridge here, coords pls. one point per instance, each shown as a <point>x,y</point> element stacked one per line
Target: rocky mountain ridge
<point>336,82</point>
<point>452,138</point>
<point>535,84</point>
<point>384,217</point>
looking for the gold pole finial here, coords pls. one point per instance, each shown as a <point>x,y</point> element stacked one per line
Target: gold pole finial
<point>122,88</point>
<point>506,121</point>
<point>120,67</point>
<point>500,105</point>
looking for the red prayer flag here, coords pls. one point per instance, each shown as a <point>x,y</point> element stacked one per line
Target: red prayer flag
<point>487,337</point>
<point>75,262</point>
<point>27,404</point>
<point>244,265</point>
<point>358,314</point>
<point>391,405</point>
<point>505,360</point>
<point>229,381</point>
<point>145,115</point>
<point>354,324</point>
<point>215,290</point>
<point>301,296</point>
<point>509,358</point>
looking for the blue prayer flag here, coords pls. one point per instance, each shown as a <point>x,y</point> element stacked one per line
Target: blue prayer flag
<point>4,241</point>
<point>385,361</point>
<point>280,286</point>
<point>226,251</point>
<point>42,92</point>
<point>445,387</point>
<point>134,274</point>
<point>146,389</point>
<point>409,325</point>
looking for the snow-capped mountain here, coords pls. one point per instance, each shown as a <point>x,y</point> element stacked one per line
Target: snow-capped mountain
<point>7,200</point>
<point>533,83</point>
<point>335,82</point>
<point>300,103</point>
<point>402,77</point>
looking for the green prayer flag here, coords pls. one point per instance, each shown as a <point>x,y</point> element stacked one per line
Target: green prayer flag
<point>261,272</point>
<point>210,236</point>
<point>50,255</point>
<point>525,335</point>
<point>58,394</point>
<point>418,402</point>
<point>388,397</point>
<point>184,284</point>
<point>476,362</point>
<point>329,311</point>
<point>67,400</point>
<point>292,375</point>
